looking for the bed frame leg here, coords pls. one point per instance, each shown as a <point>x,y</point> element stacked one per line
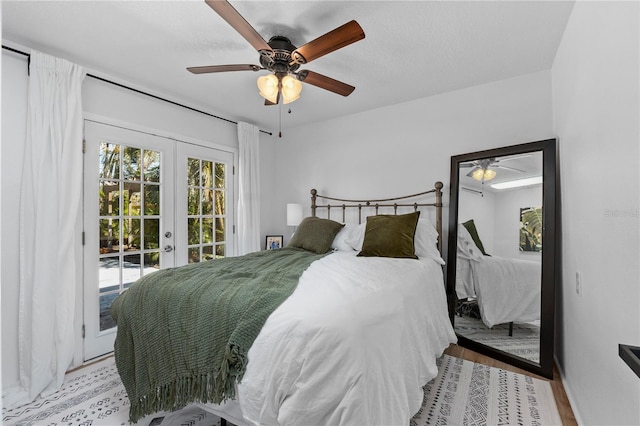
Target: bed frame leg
<point>510,330</point>
<point>223,422</point>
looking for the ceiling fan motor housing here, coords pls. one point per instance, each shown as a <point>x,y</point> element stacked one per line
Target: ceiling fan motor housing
<point>279,61</point>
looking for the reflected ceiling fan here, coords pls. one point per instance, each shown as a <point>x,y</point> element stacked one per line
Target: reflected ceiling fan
<point>483,170</point>
<point>283,59</point>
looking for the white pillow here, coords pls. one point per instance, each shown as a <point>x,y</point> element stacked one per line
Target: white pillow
<point>340,241</point>
<point>467,249</point>
<point>355,239</point>
<point>426,241</point>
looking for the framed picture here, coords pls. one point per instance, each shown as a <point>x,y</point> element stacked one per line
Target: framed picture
<point>273,242</point>
<point>531,229</point>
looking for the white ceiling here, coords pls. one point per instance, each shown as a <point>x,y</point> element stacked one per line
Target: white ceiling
<point>412,49</point>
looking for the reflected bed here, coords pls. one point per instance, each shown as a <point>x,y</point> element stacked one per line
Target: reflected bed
<point>506,290</point>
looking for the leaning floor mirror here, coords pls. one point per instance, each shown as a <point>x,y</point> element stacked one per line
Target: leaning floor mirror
<point>502,266</point>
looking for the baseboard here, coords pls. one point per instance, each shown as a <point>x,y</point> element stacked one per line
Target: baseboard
<point>89,362</point>
<point>567,390</point>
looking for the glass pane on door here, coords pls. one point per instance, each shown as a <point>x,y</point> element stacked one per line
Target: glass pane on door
<point>207,185</point>
<point>129,230</point>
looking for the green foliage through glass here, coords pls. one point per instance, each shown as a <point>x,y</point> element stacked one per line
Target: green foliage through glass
<point>531,229</point>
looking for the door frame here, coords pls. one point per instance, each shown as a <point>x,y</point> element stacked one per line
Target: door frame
<point>78,356</point>
<point>97,342</point>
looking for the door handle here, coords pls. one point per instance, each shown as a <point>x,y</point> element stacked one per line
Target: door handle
<point>168,249</point>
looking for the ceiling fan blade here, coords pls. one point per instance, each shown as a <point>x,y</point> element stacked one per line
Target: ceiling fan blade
<point>233,18</point>
<point>224,68</point>
<point>329,42</point>
<point>324,82</point>
<point>516,157</point>
<point>507,168</point>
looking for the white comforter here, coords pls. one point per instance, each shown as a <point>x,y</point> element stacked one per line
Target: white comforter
<point>353,345</point>
<point>507,289</point>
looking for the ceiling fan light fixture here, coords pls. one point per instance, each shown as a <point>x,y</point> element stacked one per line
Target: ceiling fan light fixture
<point>268,86</point>
<point>489,174</point>
<point>291,89</point>
<point>484,174</point>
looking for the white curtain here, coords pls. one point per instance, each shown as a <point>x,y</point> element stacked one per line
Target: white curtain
<point>51,193</point>
<point>249,192</point>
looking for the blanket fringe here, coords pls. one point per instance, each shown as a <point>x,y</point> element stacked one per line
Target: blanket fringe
<point>214,386</point>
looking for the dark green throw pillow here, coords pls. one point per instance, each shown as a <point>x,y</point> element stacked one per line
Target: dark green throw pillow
<point>471,227</point>
<point>315,234</point>
<point>390,236</point>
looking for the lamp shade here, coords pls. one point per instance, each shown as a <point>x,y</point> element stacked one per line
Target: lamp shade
<point>291,89</point>
<point>268,85</point>
<point>294,214</point>
<point>484,174</point>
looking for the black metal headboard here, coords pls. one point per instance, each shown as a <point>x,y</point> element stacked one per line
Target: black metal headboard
<point>394,203</point>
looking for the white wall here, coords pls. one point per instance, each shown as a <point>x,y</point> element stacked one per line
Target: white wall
<point>481,208</point>
<point>596,112</point>
<point>101,100</point>
<point>405,148</point>
<point>506,238</point>
<point>117,103</point>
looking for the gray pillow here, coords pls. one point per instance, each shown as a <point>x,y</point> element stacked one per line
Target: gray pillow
<point>315,234</point>
<point>390,236</point>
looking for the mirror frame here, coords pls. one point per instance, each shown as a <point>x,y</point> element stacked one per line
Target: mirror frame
<point>550,252</point>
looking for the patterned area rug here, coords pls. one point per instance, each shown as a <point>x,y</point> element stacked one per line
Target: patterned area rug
<point>524,343</point>
<point>463,393</point>
<point>467,393</point>
<point>95,396</point>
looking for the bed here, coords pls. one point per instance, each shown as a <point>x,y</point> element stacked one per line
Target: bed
<point>353,342</point>
<point>506,290</point>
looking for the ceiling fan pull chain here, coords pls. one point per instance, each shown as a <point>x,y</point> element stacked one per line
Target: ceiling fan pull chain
<point>280,125</point>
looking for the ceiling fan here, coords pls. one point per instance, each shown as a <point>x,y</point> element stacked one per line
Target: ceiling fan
<point>283,59</point>
<point>483,170</point>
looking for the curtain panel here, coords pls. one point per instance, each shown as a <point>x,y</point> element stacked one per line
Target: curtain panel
<point>49,206</point>
<point>249,191</point>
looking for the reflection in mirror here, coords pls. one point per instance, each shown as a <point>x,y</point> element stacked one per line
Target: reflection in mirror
<point>501,269</point>
<point>498,265</point>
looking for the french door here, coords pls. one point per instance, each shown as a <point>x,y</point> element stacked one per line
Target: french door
<point>149,203</point>
<point>203,224</point>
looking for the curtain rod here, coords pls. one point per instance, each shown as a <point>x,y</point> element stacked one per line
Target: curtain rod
<point>28,55</point>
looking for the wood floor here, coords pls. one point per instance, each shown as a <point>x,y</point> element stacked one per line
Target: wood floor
<point>564,408</point>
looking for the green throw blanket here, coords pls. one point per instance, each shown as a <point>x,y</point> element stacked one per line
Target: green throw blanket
<point>184,333</point>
